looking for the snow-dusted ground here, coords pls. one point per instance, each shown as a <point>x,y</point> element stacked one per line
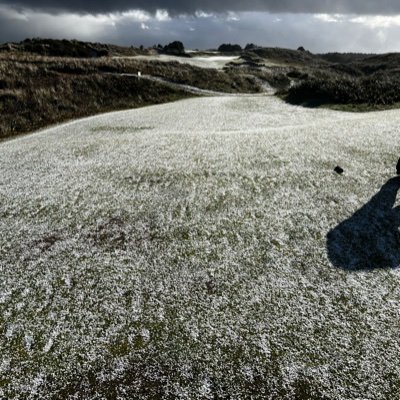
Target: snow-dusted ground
<point>181,251</point>
<point>217,62</point>
<point>193,89</point>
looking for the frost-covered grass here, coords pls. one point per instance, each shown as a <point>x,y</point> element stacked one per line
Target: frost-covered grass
<point>179,251</point>
<point>217,61</point>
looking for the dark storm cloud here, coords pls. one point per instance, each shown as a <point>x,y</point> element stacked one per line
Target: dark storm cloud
<point>382,7</point>
<point>318,26</point>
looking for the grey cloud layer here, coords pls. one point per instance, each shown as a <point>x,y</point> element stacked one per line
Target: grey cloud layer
<point>285,24</point>
<point>316,33</point>
<point>381,7</point>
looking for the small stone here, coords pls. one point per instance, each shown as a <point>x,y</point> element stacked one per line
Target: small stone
<point>339,170</point>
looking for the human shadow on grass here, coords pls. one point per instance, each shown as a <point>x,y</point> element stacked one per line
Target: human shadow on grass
<point>370,238</point>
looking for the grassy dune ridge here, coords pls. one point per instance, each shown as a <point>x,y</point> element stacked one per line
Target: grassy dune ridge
<point>148,256</point>
<point>346,81</point>
<point>37,91</point>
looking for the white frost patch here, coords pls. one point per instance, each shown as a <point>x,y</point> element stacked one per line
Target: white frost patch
<point>48,345</point>
<point>217,62</point>
<point>28,342</point>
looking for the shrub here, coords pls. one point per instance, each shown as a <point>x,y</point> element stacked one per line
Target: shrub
<point>229,48</point>
<point>375,90</point>
<point>175,48</point>
<point>250,46</point>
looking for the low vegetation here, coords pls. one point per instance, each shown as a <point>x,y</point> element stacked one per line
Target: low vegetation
<point>354,82</point>
<point>70,48</point>
<point>229,48</point>
<point>370,92</point>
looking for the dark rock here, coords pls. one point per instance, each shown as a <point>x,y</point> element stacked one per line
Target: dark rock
<point>398,167</point>
<point>339,170</point>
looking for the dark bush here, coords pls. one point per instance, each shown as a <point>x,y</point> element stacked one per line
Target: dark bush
<point>229,48</point>
<point>375,90</point>
<point>175,48</point>
<point>250,46</point>
<point>279,81</point>
<point>346,69</point>
<point>295,74</point>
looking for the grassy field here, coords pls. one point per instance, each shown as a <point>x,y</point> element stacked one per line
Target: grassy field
<point>149,256</point>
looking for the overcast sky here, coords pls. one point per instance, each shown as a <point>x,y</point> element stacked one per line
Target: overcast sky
<point>318,25</point>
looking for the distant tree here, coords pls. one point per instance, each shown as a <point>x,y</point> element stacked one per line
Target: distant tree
<point>141,47</point>
<point>229,48</point>
<point>175,48</point>
<point>301,48</point>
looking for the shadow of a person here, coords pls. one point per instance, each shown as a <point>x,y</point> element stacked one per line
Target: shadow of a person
<point>369,239</point>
